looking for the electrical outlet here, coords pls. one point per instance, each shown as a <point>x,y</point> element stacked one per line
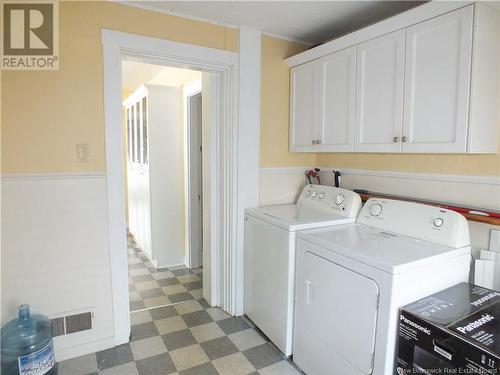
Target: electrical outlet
<point>82,152</point>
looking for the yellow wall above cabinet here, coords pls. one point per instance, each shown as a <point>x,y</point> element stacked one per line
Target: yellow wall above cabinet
<point>467,164</point>
<point>275,106</point>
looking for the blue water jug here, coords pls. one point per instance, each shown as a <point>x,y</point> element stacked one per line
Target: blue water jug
<point>27,346</point>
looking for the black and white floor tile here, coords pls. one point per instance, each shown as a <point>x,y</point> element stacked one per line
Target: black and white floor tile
<point>150,287</point>
<point>174,331</point>
<point>188,338</point>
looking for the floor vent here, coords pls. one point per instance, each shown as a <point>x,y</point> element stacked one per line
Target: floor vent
<point>71,324</point>
<point>58,327</point>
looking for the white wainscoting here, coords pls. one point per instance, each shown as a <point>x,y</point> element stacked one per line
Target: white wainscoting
<point>55,253</point>
<point>283,185</point>
<point>280,185</point>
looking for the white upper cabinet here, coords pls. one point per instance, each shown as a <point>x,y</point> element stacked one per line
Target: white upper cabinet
<point>379,93</point>
<point>303,117</point>
<point>438,68</point>
<point>423,81</point>
<point>323,103</point>
<point>337,83</point>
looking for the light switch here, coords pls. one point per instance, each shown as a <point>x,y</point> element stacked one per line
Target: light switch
<point>82,152</point>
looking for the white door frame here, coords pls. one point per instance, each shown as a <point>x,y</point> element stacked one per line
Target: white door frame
<point>193,259</point>
<point>228,156</point>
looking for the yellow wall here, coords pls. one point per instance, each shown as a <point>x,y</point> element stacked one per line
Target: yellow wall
<point>275,106</point>
<point>45,114</point>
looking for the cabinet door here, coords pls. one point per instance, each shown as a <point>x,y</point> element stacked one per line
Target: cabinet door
<point>379,97</point>
<point>438,63</point>
<point>303,104</point>
<point>337,80</point>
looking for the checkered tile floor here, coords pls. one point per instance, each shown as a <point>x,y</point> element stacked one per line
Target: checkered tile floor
<point>150,287</point>
<point>188,338</point>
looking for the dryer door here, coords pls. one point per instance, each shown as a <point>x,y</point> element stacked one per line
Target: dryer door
<point>336,318</point>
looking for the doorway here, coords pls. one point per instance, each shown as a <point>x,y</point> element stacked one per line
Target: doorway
<point>219,145</point>
<point>194,175</point>
<point>162,116</point>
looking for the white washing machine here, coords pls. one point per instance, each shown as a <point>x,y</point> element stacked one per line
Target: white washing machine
<point>352,278</point>
<point>270,254</point>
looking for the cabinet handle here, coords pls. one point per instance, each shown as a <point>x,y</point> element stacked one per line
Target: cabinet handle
<point>318,141</point>
<point>395,139</point>
<point>313,142</point>
<point>404,139</point>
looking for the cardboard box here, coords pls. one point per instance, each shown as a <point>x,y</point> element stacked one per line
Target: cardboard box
<point>455,331</point>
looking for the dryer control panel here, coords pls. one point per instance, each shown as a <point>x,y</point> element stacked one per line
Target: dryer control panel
<point>421,221</point>
<point>330,199</point>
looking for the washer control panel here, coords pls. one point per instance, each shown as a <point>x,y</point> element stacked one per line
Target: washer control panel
<point>438,222</point>
<point>430,223</point>
<point>330,199</point>
<point>376,209</point>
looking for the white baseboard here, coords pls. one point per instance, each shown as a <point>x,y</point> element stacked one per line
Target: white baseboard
<point>173,265</point>
<point>63,354</point>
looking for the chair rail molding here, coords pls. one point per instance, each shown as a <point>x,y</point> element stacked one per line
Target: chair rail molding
<point>490,180</point>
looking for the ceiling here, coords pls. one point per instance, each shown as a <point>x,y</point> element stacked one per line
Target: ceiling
<point>135,74</point>
<point>311,22</point>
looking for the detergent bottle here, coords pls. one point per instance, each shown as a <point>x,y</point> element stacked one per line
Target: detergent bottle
<point>27,347</point>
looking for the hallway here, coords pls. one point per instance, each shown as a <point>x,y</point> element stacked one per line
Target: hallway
<point>150,287</point>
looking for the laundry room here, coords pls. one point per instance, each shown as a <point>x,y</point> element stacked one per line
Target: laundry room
<point>250,187</point>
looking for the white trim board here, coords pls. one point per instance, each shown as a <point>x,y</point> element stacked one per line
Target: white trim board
<point>51,175</point>
<point>63,354</point>
<point>247,168</point>
<point>490,180</point>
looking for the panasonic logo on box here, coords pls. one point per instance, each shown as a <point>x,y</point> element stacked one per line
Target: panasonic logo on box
<point>484,299</point>
<point>477,323</point>
<point>415,325</point>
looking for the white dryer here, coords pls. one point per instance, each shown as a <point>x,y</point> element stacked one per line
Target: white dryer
<point>270,254</point>
<point>352,278</point>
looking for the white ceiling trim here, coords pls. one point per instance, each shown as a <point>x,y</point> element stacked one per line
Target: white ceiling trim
<point>288,39</point>
<point>206,20</point>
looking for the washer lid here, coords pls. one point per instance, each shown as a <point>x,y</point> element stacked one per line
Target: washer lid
<point>387,251</point>
<point>295,217</point>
